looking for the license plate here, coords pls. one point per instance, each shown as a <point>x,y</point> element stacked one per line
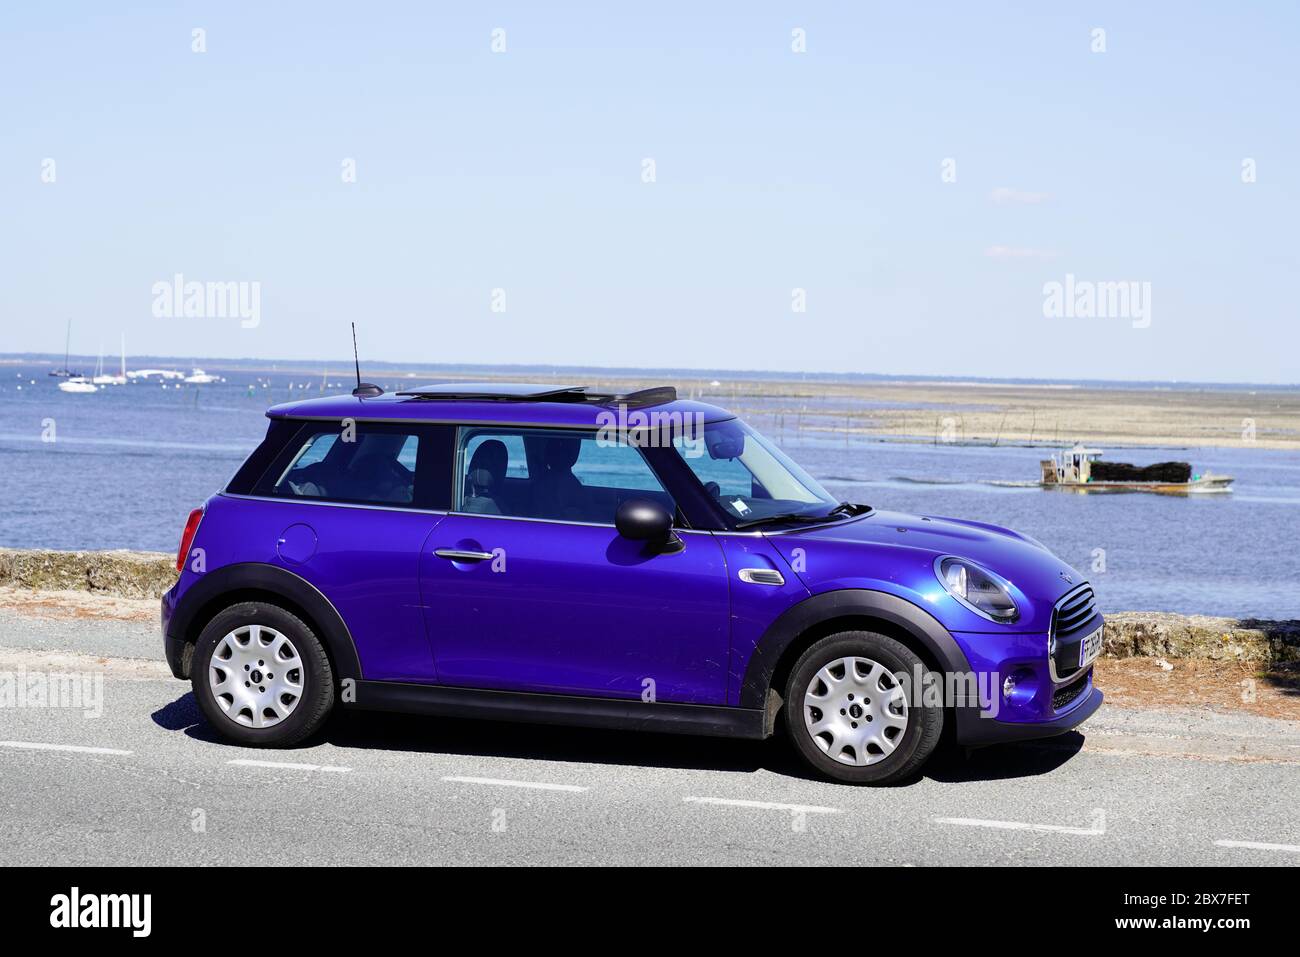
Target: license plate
<point>1089,649</point>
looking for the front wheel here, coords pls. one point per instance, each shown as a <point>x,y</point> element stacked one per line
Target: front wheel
<point>850,715</point>
<point>261,676</point>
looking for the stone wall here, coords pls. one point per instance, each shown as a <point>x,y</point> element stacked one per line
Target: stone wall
<point>120,573</point>
<point>1167,635</point>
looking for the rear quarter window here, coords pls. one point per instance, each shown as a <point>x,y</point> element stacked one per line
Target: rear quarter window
<point>365,463</point>
<point>278,434</point>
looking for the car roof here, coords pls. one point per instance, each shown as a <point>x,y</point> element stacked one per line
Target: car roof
<point>515,403</point>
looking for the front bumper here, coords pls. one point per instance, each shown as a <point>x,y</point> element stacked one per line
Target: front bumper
<point>1041,704</point>
<point>974,730</point>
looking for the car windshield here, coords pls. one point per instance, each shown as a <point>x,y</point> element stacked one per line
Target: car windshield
<point>750,477</point>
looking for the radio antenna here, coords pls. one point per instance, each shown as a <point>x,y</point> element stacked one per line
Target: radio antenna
<point>363,389</point>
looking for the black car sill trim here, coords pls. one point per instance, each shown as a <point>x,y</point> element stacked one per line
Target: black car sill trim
<point>625,714</point>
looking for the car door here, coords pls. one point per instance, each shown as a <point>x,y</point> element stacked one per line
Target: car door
<point>529,587</point>
<point>348,507</point>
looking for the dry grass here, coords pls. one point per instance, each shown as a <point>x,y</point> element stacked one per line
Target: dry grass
<point>1199,683</point>
<point>64,605</point>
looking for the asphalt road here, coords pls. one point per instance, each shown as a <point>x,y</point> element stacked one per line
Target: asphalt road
<point>145,782</point>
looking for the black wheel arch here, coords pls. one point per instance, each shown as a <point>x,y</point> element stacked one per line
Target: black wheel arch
<point>255,581</point>
<point>843,610</point>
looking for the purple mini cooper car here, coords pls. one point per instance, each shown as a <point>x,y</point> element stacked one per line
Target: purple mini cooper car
<point>534,553</point>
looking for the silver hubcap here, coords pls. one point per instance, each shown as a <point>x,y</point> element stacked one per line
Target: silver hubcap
<point>855,710</point>
<point>256,676</point>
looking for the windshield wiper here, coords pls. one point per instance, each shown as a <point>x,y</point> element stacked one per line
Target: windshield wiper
<point>782,517</point>
<point>849,508</point>
<point>844,508</point>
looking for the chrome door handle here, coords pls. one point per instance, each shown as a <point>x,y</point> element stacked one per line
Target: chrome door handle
<point>460,555</point>
<point>762,576</point>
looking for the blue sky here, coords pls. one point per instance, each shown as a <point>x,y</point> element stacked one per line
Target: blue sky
<point>774,171</point>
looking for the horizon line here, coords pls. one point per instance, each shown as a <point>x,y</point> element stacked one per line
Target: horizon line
<point>641,371</point>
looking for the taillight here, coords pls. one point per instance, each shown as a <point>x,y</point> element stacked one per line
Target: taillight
<point>187,537</point>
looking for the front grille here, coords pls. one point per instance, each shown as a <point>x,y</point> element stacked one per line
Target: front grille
<point>1063,696</point>
<point>1074,611</point>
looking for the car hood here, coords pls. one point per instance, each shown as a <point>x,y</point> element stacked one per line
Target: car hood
<point>896,552</point>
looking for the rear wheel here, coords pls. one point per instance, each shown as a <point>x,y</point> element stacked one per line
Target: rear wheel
<point>261,676</point>
<point>852,717</point>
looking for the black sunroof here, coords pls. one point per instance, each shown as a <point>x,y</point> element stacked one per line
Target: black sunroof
<point>531,392</point>
<point>493,390</point>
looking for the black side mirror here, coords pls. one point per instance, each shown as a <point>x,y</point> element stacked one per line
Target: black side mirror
<point>643,520</point>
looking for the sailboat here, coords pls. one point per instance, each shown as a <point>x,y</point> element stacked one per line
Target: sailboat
<point>120,379</point>
<point>78,383</point>
<point>65,372</point>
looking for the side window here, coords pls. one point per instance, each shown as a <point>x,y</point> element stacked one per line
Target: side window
<point>555,474</point>
<point>377,466</point>
<point>614,466</point>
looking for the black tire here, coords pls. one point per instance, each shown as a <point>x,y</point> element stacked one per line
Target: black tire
<point>916,742</point>
<point>317,696</point>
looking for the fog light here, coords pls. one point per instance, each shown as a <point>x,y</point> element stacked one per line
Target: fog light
<point>1020,687</point>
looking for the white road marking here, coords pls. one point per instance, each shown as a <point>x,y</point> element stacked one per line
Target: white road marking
<point>764,805</point>
<point>289,766</point>
<point>1020,826</point>
<point>502,782</point>
<point>1260,846</point>
<point>76,748</point>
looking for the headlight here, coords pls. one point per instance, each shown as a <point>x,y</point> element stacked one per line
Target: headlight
<point>979,590</point>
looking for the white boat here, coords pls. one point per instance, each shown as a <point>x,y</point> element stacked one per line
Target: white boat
<point>199,377</point>
<point>150,373</point>
<point>78,384</point>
